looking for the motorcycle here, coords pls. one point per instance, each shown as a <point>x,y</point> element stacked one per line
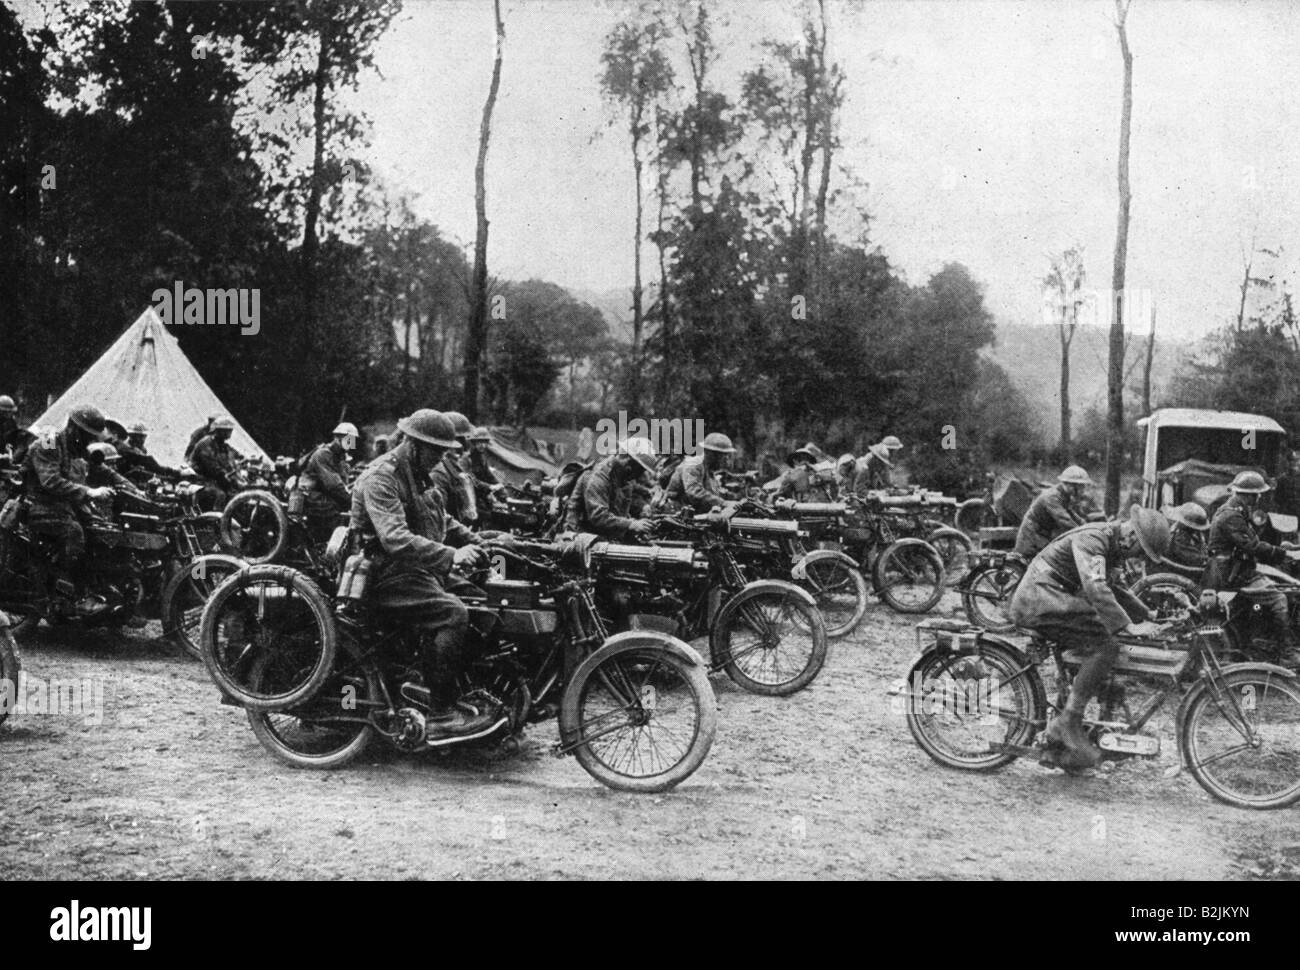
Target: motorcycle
<point>321,676</point>
<point>988,586</point>
<point>976,702</point>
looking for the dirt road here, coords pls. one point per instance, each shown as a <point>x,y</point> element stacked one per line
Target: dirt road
<point>825,784</point>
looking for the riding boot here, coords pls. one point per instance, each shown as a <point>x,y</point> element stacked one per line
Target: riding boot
<point>1067,731</point>
<point>1288,653</point>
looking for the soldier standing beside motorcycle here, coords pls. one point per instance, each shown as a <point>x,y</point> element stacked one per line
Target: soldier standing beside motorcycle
<point>1052,512</point>
<point>448,478</point>
<point>412,577</point>
<point>1234,549</point>
<point>601,500</point>
<point>214,461</point>
<point>54,481</point>
<point>873,469</point>
<point>324,482</point>
<point>1187,540</point>
<point>1068,594</point>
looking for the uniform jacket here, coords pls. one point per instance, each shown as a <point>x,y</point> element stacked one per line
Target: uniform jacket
<point>1066,585</point>
<point>412,528</point>
<point>214,460</point>
<point>1050,514</point>
<point>1235,547</point>
<point>324,480</point>
<point>691,485</point>
<point>599,504</point>
<point>450,486</point>
<point>138,458</point>
<point>870,473</point>
<point>54,479</point>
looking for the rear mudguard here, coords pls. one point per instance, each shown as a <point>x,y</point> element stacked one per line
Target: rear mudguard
<point>800,570</point>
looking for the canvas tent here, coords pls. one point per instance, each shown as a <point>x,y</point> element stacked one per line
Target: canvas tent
<point>145,376</point>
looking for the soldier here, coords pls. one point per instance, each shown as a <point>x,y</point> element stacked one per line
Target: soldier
<point>199,433</point>
<point>448,477</point>
<point>695,482</point>
<point>601,500</point>
<point>1052,512</point>
<point>1188,523</point>
<point>101,468</point>
<point>324,482</point>
<point>214,461</point>
<point>380,446</point>
<point>1068,593</point>
<point>844,471</point>
<point>479,469</point>
<point>873,470</point>
<point>1235,547</point>
<point>135,457</point>
<point>412,578</point>
<point>13,439</point>
<point>798,480</point>
<point>54,481</point>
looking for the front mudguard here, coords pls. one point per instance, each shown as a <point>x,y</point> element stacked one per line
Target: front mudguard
<point>1252,667</point>
<point>746,592</point>
<point>800,570</point>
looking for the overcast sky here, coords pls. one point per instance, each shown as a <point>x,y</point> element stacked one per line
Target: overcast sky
<point>987,133</point>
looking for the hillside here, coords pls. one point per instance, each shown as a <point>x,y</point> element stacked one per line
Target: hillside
<point>1031,356</point>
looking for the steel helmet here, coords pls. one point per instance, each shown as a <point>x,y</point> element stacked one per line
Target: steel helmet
<point>891,442</point>
<point>7,405</point>
<point>346,428</point>
<point>882,453</point>
<point>1074,475</point>
<point>641,451</point>
<point>89,419</point>
<point>104,450</point>
<point>223,422</point>
<point>480,434</point>
<point>716,441</point>
<point>1189,514</point>
<point>139,428</point>
<point>1152,530</point>
<point>430,426</point>
<point>846,459</point>
<point>115,426</point>
<point>801,453</point>
<point>1251,483</point>
<point>459,423</point>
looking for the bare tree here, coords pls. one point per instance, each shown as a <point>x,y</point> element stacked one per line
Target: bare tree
<point>1146,370</point>
<point>476,333</point>
<point>1115,371</point>
<point>1063,290</point>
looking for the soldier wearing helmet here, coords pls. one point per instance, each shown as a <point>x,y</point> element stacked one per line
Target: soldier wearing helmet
<point>1235,547</point>
<point>797,481</point>
<point>324,481</point>
<point>13,439</point>
<point>477,464</point>
<point>54,481</point>
<point>845,468</point>
<point>873,470</point>
<point>412,579</point>
<point>135,458</point>
<point>101,468</point>
<point>449,479</point>
<point>1053,511</point>
<point>199,433</point>
<point>1072,593</point>
<point>695,481</point>
<point>1188,525</point>
<point>601,500</point>
<point>214,461</point>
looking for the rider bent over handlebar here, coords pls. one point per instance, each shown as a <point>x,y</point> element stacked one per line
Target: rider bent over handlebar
<point>1065,595</point>
<point>412,580</point>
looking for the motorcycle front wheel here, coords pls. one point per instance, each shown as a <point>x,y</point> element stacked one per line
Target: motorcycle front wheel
<point>642,716</point>
<point>185,596</point>
<point>841,594</point>
<point>254,526</point>
<point>987,594</point>
<point>769,639</point>
<point>909,576</point>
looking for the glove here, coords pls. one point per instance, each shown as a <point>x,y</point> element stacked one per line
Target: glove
<point>473,557</point>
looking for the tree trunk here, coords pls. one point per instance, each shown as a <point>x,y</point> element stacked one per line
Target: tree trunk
<point>1067,447</point>
<point>1115,373</point>
<point>634,383</point>
<point>310,241</point>
<point>476,332</point>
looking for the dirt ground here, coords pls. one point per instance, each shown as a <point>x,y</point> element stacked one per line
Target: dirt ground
<point>825,784</point>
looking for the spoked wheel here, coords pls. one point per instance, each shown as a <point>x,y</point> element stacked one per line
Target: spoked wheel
<point>643,718</point>
<point>1168,595</point>
<point>10,664</point>
<point>331,728</point>
<point>958,706</point>
<point>254,526</point>
<point>1242,741</point>
<point>987,596</point>
<point>841,594</point>
<point>956,551</point>
<point>268,637</point>
<point>187,593</point>
<point>909,576</point>
<point>770,638</point>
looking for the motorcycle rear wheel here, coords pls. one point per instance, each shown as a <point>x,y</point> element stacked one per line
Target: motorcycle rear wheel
<point>187,593</point>
<point>325,731</point>
<point>841,594</point>
<point>956,551</point>
<point>1166,594</point>
<point>1007,701</point>
<point>254,526</point>
<point>987,596</point>
<point>648,717</point>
